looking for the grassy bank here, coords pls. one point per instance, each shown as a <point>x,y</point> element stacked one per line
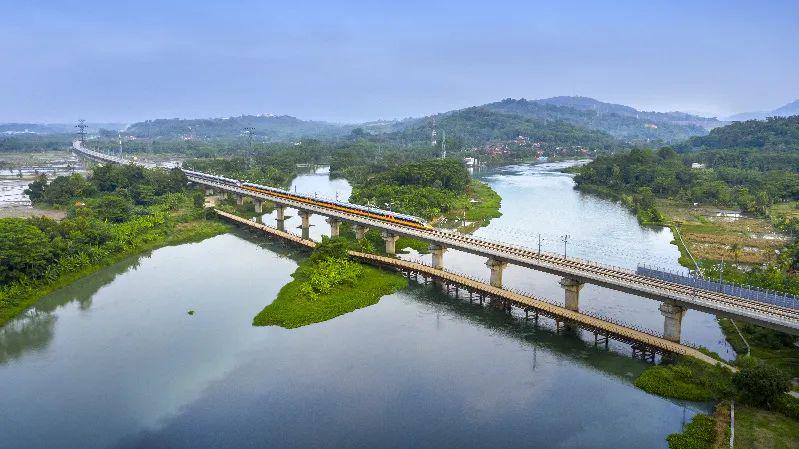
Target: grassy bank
<point>300,303</point>
<point>686,379</point>
<point>757,428</point>
<point>16,298</point>
<point>477,206</point>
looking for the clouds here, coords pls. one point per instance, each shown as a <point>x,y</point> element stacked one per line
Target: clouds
<point>359,61</point>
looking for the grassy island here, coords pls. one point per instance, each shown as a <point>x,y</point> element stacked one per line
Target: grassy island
<point>327,285</point>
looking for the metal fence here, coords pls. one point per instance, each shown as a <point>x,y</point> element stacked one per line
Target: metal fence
<point>741,291</point>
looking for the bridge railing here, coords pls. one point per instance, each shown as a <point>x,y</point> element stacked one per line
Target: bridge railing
<point>742,291</point>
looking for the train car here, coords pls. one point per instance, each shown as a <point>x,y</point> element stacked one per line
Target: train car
<point>365,211</point>
<point>213,178</point>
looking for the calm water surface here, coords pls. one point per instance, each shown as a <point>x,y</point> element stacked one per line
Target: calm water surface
<point>115,360</point>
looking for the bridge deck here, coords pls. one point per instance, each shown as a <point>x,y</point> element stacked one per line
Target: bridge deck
<point>522,301</point>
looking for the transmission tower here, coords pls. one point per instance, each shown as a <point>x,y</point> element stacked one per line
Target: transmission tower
<point>249,131</point>
<point>82,130</point>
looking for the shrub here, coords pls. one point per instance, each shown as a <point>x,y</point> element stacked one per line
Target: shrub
<point>760,384</point>
<point>700,433</point>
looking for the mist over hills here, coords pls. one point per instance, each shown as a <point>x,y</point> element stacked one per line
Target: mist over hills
<point>562,120</point>
<point>787,110</point>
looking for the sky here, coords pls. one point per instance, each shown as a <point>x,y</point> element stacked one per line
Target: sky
<point>360,61</point>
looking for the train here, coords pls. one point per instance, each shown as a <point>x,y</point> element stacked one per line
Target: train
<point>356,209</point>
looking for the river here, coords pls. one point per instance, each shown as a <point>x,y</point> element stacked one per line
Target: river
<point>116,360</point>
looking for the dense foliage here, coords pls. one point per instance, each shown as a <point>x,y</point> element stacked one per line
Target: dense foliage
<point>425,189</point>
<point>108,216</point>
<point>760,384</point>
<point>34,142</point>
<point>774,133</point>
<point>668,174</point>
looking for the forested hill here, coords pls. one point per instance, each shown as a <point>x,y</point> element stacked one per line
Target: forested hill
<point>619,121</point>
<point>266,127</point>
<point>775,133</point>
<point>478,125</point>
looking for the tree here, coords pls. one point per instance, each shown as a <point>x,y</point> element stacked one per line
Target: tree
<point>113,208</point>
<point>330,248</point>
<point>760,384</point>
<point>35,190</point>
<point>24,250</point>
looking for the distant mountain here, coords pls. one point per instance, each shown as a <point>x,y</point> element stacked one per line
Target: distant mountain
<point>789,109</point>
<point>478,125</point>
<point>617,120</point>
<point>270,128</point>
<point>53,128</point>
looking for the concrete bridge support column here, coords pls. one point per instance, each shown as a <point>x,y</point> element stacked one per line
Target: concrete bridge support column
<point>572,288</point>
<point>209,192</point>
<point>258,206</point>
<point>306,223</point>
<point>281,217</point>
<point>360,231</point>
<point>335,227</point>
<point>496,267</point>
<point>672,323</point>
<point>438,255</point>
<point>239,200</point>
<point>391,242</point>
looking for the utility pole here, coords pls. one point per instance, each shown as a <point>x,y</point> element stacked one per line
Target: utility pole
<point>565,240</point>
<point>81,130</point>
<point>443,144</point>
<point>119,136</point>
<point>539,244</point>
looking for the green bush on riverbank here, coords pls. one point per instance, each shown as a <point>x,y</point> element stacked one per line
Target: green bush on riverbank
<point>687,379</point>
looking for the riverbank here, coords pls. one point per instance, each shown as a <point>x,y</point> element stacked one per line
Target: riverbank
<point>16,298</point>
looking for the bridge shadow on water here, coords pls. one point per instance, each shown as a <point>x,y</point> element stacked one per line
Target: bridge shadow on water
<point>533,336</point>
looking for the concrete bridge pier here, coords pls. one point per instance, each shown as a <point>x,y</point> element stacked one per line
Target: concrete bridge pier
<point>672,323</point>
<point>572,288</point>
<point>335,226</point>
<point>306,223</point>
<point>239,200</point>
<point>360,231</point>
<point>496,267</point>
<point>209,192</point>
<point>438,255</point>
<point>281,217</point>
<point>391,242</point>
<point>258,205</point>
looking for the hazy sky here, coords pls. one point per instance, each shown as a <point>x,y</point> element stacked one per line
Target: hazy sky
<point>353,61</point>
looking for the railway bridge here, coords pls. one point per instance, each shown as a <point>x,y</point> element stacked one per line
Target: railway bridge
<point>574,273</point>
